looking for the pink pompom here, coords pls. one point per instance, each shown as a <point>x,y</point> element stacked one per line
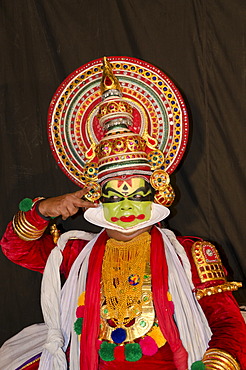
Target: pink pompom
<point>148,346</point>
<point>80,311</point>
<point>119,353</point>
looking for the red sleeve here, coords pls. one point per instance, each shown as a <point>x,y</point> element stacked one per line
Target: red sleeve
<point>227,325</point>
<point>31,254</point>
<point>223,314</point>
<point>34,254</point>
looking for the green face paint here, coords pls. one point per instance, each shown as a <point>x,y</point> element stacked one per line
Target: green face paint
<point>127,203</point>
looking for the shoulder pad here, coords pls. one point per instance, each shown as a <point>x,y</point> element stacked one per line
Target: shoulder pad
<point>207,261</point>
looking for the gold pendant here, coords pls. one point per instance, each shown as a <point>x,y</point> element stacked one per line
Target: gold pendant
<point>143,321</point>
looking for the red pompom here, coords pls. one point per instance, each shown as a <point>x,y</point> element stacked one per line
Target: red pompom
<point>80,311</point>
<point>119,353</point>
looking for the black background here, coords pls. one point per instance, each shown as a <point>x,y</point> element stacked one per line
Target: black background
<point>199,44</point>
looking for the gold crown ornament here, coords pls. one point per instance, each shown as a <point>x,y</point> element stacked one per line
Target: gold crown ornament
<point>118,117</point>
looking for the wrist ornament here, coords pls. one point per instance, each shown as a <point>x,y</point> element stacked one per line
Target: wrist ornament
<point>217,359</point>
<point>27,204</point>
<point>227,287</point>
<point>22,227</point>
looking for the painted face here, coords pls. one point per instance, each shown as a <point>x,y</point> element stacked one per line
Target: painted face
<point>127,203</point>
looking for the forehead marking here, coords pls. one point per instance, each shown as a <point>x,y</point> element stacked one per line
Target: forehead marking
<point>124,187</point>
<point>124,182</point>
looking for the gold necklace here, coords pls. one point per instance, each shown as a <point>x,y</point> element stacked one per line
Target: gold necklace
<point>126,289</point>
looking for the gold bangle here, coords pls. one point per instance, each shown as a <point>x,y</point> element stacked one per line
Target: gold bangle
<point>24,229</point>
<point>218,359</point>
<point>24,225</point>
<point>228,286</point>
<point>220,364</point>
<point>22,218</point>
<point>21,223</point>
<point>24,235</point>
<point>19,229</point>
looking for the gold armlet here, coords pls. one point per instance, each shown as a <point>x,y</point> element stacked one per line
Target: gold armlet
<point>24,229</point>
<point>226,287</point>
<point>215,358</point>
<point>207,261</point>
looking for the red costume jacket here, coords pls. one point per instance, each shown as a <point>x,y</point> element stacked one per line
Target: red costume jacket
<point>221,309</point>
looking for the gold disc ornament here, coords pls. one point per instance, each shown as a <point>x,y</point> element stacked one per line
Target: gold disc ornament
<point>159,179</point>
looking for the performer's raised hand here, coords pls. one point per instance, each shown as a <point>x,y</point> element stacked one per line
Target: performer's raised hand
<point>65,205</point>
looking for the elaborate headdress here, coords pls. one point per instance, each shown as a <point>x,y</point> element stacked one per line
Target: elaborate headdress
<point>117,118</point>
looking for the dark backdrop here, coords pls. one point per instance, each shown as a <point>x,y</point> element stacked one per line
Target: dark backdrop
<point>200,44</point>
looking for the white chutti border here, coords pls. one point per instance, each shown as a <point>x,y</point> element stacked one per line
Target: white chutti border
<point>96,217</point>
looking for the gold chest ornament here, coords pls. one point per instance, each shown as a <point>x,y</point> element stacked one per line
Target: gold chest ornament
<point>127,310</point>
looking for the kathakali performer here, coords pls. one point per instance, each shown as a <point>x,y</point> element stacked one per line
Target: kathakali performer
<point>136,296</point>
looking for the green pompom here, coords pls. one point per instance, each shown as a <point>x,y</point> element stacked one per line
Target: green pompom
<point>133,352</point>
<point>78,325</point>
<point>198,365</point>
<point>25,205</point>
<point>106,351</point>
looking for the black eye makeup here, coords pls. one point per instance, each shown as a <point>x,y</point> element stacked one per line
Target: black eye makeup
<point>142,194</point>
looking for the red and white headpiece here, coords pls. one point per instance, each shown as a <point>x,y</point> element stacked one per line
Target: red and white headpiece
<point>117,118</point>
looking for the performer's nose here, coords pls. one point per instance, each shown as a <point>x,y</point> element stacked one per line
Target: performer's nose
<point>126,205</point>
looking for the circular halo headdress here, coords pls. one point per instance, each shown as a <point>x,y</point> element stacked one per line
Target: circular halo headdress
<point>118,117</point>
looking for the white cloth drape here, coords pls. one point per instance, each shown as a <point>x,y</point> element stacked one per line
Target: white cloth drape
<point>59,307</point>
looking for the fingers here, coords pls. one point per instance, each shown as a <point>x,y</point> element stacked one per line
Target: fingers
<point>65,205</point>
<point>70,205</point>
<point>68,210</point>
<point>80,193</point>
<point>75,199</point>
<point>82,203</point>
